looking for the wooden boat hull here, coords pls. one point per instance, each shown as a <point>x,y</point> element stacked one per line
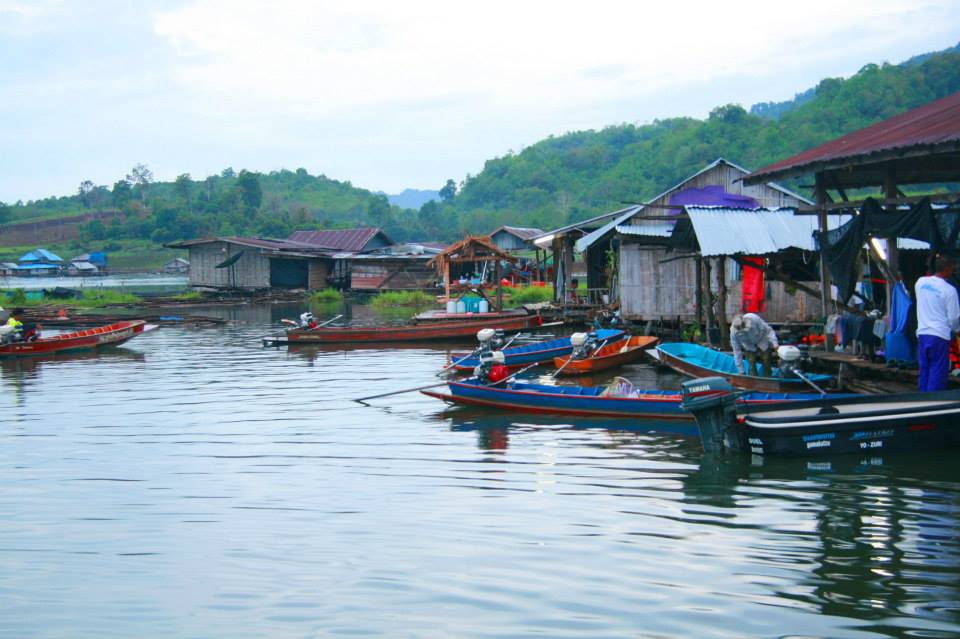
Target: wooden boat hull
<point>580,400</point>
<point>102,336</point>
<point>609,356</point>
<point>519,356</point>
<point>407,333</point>
<point>443,316</point>
<point>674,356</point>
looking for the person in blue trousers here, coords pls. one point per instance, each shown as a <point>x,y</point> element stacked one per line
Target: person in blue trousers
<point>938,318</point>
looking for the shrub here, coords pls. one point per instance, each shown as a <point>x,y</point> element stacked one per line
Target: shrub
<point>327,296</point>
<point>530,295</point>
<point>403,298</point>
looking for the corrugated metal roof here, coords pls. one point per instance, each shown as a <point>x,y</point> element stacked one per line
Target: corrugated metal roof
<point>624,214</point>
<point>40,255</point>
<point>725,231</point>
<point>524,233</point>
<point>648,228</point>
<point>339,239</point>
<point>934,123</point>
<point>254,242</point>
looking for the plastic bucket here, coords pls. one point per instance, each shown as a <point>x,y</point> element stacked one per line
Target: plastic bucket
<point>483,306</point>
<point>452,306</point>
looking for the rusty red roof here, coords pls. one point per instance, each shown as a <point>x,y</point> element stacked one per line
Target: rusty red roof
<point>933,127</point>
<point>339,239</point>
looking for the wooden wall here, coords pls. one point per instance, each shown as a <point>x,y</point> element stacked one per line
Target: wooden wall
<point>318,270</point>
<point>651,288</point>
<point>252,270</point>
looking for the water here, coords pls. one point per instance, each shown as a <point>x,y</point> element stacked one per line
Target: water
<point>133,282</point>
<point>195,484</point>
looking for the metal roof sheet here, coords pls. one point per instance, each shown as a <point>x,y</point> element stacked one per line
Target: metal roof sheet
<point>648,228</point>
<point>339,239</point>
<point>522,232</point>
<point>726,231</point>
<point>934,123</point>
<point>624,214</point>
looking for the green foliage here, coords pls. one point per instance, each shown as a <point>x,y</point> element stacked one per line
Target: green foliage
<point>529,295</point>
<point>188,296</point>
<point>327,296</point>
<point>18,297</point>
<point>5,213</point>
<point>403,298</point>
<point>556,181</point>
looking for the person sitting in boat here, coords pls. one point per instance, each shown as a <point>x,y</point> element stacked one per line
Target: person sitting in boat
<point>20,331</point>
<point>752,337</point>
<point>307,320</point>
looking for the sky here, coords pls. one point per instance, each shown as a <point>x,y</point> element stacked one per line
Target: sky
<point>392,95</point>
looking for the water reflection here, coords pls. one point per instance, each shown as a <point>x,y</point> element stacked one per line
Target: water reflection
<point>194,483</point>
<point>872,538</point>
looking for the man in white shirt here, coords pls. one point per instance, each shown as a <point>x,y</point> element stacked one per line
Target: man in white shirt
<point>751,336</point>
<point>938,318</point>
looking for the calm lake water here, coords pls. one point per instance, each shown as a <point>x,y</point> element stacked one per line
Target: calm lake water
<point>195,484</point>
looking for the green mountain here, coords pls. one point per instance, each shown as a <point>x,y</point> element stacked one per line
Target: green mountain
<point>578,175</point>
<point>561,179</point>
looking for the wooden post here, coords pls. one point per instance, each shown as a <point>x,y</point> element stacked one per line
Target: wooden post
<point>821,200</point>
<point>567,264</point>
<point>893,252</point>
<point>496,275</point>
<point>446,283</point>
<point>707,290</point>
<point>722,301</point>
<point>699,285</point>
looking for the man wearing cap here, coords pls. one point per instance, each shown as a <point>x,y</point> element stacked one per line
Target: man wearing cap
<point>753,337</point>
<point>938,318</point>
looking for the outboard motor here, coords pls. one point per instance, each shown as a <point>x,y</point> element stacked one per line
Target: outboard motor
<point>713,403</point>
<point>488,360</point>
<point>583,344</point>
<point>791,361</point>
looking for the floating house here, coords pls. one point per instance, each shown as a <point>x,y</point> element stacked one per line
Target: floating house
<point>177,265</point>
<point>39,262</point>
<point>514,238</point>
<point>359,259</point>
<point>79,267</point>
<point>8,268</point>
<point>920,147</point>
<point>634,259</point>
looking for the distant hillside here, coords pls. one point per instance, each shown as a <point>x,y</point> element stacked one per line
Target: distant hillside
<point>412,198</point>
<point>574,176</point>
<point>556,181</point>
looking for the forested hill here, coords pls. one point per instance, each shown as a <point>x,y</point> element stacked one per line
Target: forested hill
<point>571,177</point>
<point>559,180</point>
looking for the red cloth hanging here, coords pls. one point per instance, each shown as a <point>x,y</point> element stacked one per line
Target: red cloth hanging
<point>754,290</point>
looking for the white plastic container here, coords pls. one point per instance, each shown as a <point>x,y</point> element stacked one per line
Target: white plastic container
<point>452,306</point>
<point>461,306</point>
<point>484,307</point>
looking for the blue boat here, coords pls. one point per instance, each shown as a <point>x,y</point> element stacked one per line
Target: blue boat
<point>694,360</point>
<point>620,399</point>
<point>518,356</point>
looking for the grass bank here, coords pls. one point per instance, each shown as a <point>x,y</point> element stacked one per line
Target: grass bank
<point>389,299</point>
<point>90,298</point>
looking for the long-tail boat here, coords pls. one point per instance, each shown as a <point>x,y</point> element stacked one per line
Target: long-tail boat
<point>519,356</point>
<point>404,333</point>
<point>694,360</point>
<point>829,424</point>
<point>91,338</point>
<point>608,356</point>
<point>618,399</point>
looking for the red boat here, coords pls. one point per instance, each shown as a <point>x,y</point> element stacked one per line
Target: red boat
<point>407,333</point>
<point>92,338</point>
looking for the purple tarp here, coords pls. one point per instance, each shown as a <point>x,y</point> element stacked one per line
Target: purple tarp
<point>713,195</point>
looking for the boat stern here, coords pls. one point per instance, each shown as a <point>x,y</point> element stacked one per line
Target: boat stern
<point>713,403</point>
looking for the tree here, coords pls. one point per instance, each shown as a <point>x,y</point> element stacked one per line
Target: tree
<point>250,191</point>
<point>121,193</point>
<point>378,210</point>
<point>5,213</point>
<point>228,173</point>
<point>184,186</point>
<point>448,191</point>
<point>139,178</point>
<point>85,191</point>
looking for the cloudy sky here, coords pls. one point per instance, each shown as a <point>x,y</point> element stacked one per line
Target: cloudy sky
<point>396,94</point>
